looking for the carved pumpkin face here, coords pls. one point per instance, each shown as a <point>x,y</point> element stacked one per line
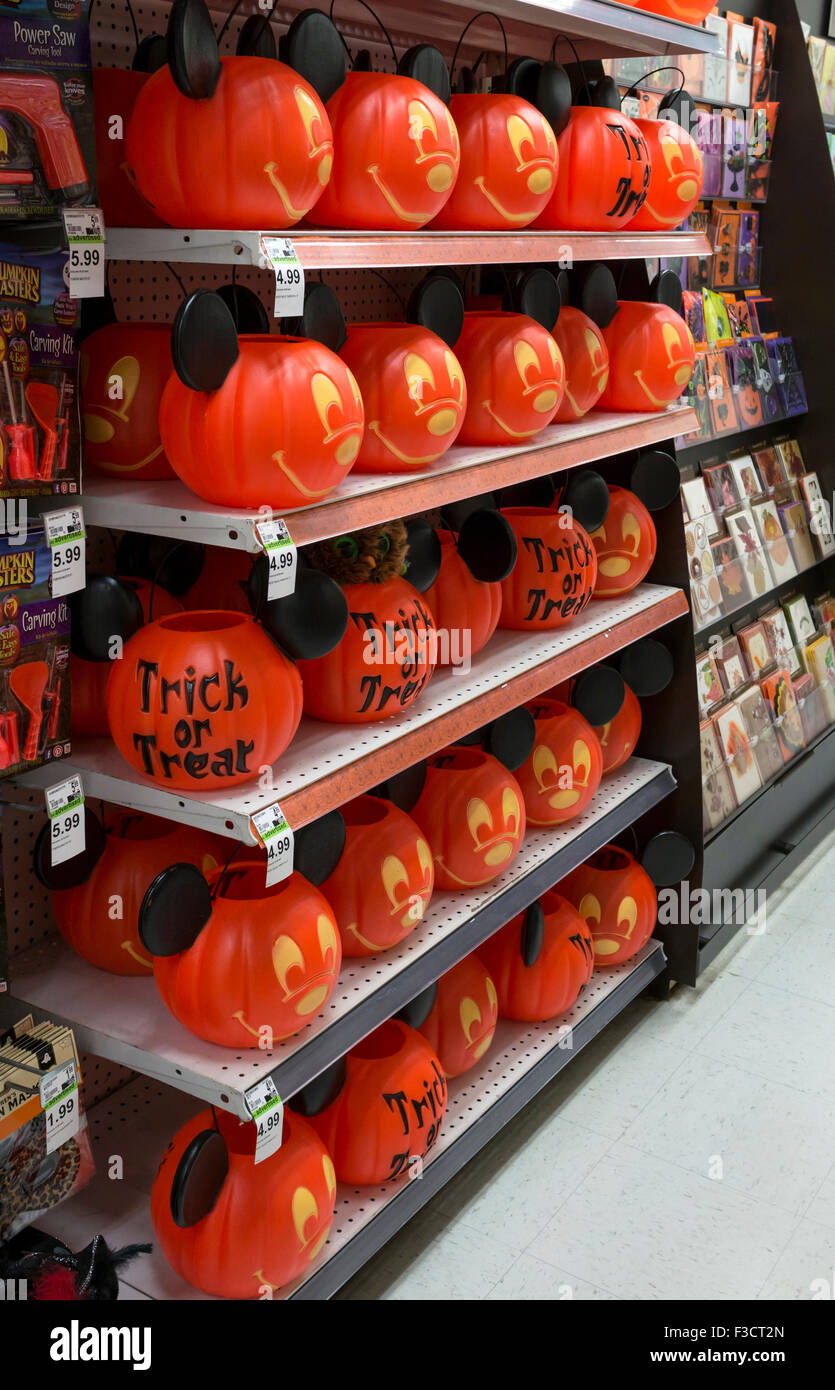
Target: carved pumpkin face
<point>555,570</point>
<point>562,773</point>
<point>413,392</point>
<point>202,700</point>
<point>382,663</point>
<point>124,368</point>
<point>749,406</point>
<point>515,378</point>
<point>381,887</point>
<point>462,604</point>
<point>586,358</point>
<point>675,182</point>
<point>283,430</point>
<point>625,544</point>
<point>257,153</point>
<point>651,356</point>
<point>280,1210</point>
<point>619,737</point>
<point>604,173</point>
<point>390,1107</point>
<point>396,154</point>
<point>472,813</point>
<point>552,981</point>
<point>99,918</point>
<point>508,167</point>
<point>268,958</point>
<point>462,1021</point>
<point>617,899</point>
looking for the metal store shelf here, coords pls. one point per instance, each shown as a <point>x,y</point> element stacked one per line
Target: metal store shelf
<point>171,509</point>
<point>140,1119</point>
<point>336,250</point>
<point>327,764</point>
<point>125,1021</point>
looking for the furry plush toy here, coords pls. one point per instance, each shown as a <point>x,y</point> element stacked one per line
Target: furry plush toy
<point>366,557</point>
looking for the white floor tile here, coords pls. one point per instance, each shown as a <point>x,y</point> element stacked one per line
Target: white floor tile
<point>530,1279</point>
<point>607,1087</point>
<point>688,1015</point>
<point>821,1209</point>
<point>805,1270</point>
<point>777,1035</point>
<point>431,1259</point>
<point>805,965</point>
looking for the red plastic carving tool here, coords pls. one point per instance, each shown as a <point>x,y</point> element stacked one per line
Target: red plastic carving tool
<point>42,400</point>
<point>21,440</point>
<point>28,683</point>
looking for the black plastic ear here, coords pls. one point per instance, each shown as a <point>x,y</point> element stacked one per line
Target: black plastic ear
<point>322,1091</point>
<point>321,318</point>
<point>656,480</point>
<point>668,858</point>
<point>532,935</point>
<point>438,304</point>
<point>175,565</point>
<point>598,296</point>
<point>200,1175</point>
<point>426,64</point>
<point>604,92</point>
<point>151,53</point>
<point>312,620</point>
<point>487,545</point>
<point>536,492</point>
<point>174,911</point>
<point>73,871</point>
<point>106,608</point>
<point>647,667</point>
<point>192,50</point>
<point>362,61</point>
<point>318,847</point>
<point>246,309</point>
<point>564,286</point>
<point>511,737</point>
<point>423,558</point>
<point>204,341</point>
<point>666,289</point>
<point>416,1012</point>
<point>677,106</point>
<point>598,694</point>
<point>256,39</point>
<point>546,86</point>
<point>313,48</point>
<point>454,514</point>
<point>587,494</point>
<point>535,292</point>
<point>403,789</point>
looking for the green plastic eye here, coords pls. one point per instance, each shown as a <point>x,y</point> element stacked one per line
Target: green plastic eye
<point>347,547</point>
<point>384,543</point>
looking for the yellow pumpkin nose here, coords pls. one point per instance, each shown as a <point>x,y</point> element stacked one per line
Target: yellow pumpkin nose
<point>442,421</point>
<point>540,180</point>
<point>545,401</point>
<point>497,854</point>
<point>313,1000</point>
<point>439,178</point>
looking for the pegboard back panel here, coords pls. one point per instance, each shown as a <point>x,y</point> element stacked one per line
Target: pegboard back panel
<point>29,916</point>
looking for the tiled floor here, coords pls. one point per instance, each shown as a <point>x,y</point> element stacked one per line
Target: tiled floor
<point>687,1153</point>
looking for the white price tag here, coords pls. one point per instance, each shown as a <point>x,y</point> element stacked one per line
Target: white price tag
<point>65,534</point>
<point>85,237</point>
<point>59,1098</point>
<point>282,556</point>
<point>270,825</point>
<point>65,808</point>
<point>267,1110</point>
<point>289,275</point>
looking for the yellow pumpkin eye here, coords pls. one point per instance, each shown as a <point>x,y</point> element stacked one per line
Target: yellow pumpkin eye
<point>328,940</point>
<point>424,855</point>
<point>631,532</point>
<point>470,1015</point>
<point>628,914</point>
<point>304,1208</point>
<point>478,818</point>
<point>581,755</point>
<point>519,134</point>
<point>418,374</point>
<point>590,909</point>
<point>543,761</point>
<point>421,120</point>
<point>526,359</point>
<point>394,876</point>
<point>491,993</point>
<point>286,957</point>
<point>329,1172</point>
<point>511,810</point>
<point>456,376</point>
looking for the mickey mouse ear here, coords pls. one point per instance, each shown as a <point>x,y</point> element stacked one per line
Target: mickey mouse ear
<point>318,847</point>
<point>416,1012</point>
<point>546,86</point>
<point>598,295</point>
<point>106,608</point>
<point>656,479</point>
<point>73,871</point>
<point>511,737</point>
<point>647,667</point>
<point>487,545</point>
<point>313,48</point>
<point>535,292</point>
<point>677,106</point>
<point>564,286</point>
<point>246,309</point>
<point>312,620</point>
<point>604,92</point>
<point>438,304</point>
<point>192,50</point>
<point>668,858</point>
<point>362,61</point>
<point>256,39</point>
<point>599,694</point>
<point>454,514</point>
<point>200,1175</point>
<point>426,64</point>
<point>423,559</point>
<point>204,341</point>
<point>536,492</point>
<point>587,494</point>
<point>404,788</point>
<point>321,318</point>
<point>151,53</point>
<point>666,289</point>
<point>532,935</point>
<point>175,909</point>
<point>175,565</point>
<point>322,1091</point>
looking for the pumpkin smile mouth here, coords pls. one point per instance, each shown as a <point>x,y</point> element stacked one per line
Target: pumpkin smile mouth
<point>639,377</point>
<point>508,429</point>
<point>374,427</point>
<point>417,218</point>
<point>518,217</point>
<point>480,1045</point>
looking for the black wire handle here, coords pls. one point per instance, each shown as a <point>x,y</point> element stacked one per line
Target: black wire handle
<point>482,14</point>
<point>577,60</point>
<point>172,272</point>
<point>668,67</point>
<point>130,12</point>
<point>228,20</point>
<point>155,581</point>
<point>378,22</point>
<point>390,287</point>
<point>222,875</point>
